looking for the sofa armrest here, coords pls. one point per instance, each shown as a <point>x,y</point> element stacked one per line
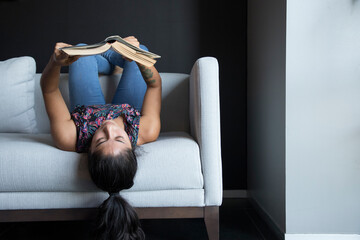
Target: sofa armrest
<point>205,124</point>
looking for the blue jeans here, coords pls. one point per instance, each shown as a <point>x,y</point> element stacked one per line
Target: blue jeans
<point>84,85</point>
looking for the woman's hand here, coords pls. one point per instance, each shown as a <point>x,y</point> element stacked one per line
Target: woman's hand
<point>133,41</point>
<point>60,58</point>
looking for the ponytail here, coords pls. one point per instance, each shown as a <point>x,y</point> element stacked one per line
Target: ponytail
<point>116,219</point>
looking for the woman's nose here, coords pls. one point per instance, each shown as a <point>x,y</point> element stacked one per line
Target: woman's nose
<point>107,130</point>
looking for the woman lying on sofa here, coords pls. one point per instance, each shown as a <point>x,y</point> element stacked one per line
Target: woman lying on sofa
<point>109,133</point>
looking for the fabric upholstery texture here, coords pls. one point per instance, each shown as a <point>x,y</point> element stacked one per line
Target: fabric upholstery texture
<point>30,162</point>
<point>52,200</point>
<point>17,78</point>
<point>205,124</point>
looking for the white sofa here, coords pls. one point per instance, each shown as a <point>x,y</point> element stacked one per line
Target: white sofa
<point>179,175</point>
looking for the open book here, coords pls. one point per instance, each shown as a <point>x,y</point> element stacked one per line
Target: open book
<point>118,44</point>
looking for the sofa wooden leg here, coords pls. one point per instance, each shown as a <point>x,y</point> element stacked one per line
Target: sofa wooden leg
<point>211,217</point>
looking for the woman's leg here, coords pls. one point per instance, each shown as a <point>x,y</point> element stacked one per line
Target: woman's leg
<point>132,87</point>
<point>84,86</point>
<point>114,58</point>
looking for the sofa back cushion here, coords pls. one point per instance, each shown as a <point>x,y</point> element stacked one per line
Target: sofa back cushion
<point>17,78</point>
<point>175,100</point>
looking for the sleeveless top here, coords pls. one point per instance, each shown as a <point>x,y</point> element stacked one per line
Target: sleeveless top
<point>89,118</point>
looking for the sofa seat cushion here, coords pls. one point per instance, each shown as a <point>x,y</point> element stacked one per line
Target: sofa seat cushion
<point>31,163</point>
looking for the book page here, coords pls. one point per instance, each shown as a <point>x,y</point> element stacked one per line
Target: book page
<point>132,55</point>
<point>83,51</point>
<point>138,50</point>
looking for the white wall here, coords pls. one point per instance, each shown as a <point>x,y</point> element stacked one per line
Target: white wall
<point>323,116</point>
<point>304,115</point>
<point>266,107</point>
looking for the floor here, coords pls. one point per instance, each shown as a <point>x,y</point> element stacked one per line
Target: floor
<point>238,220</point>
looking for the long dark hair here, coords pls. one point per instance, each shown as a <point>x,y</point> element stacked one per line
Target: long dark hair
<point>116,218</point>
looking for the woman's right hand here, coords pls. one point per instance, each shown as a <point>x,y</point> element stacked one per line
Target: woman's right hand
<point>60,58</point>
<point>133,41</point>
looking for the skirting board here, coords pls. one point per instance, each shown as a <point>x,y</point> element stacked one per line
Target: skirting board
<point>235,194</point>
<point>322,237</point>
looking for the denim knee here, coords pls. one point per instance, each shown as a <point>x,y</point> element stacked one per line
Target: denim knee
<point>143,47</point>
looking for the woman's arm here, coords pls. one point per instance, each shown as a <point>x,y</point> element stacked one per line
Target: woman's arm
<point>63,129</point>
<point>150,113</point>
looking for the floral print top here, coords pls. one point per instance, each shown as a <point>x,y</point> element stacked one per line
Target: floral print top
<point>89,118</point>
